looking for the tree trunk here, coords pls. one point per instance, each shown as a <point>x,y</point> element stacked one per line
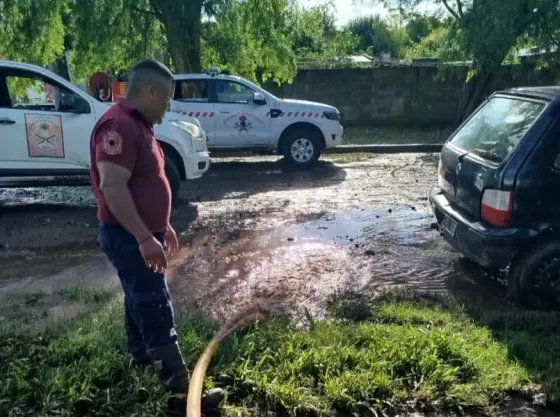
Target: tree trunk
<point>60,67</point>
<point>181,20</point>
<point>474,92</point>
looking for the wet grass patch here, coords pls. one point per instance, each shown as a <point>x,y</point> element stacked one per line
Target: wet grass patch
<point>391,353</point>
<point>29,313</point>
<point>88,295</point>
<point>527,339</point>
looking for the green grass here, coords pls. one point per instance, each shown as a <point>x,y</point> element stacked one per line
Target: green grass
<point>394,136</point>
<point>88,295</point>
<point>398,352</point>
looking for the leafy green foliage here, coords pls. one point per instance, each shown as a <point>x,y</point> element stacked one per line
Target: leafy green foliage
<point>384,355</point>
<point>434,45</point>
<point>486,31</point>
<point>32,31</point>
<point>110,35</point>
<point>420,26</point>
<point>263,40</point>
<point>376,36</point>
<point>315,37</point>
<point>251,39</point>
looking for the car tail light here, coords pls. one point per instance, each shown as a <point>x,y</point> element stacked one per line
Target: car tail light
<point>496,207</point>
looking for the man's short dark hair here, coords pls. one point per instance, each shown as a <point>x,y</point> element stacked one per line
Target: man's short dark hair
<point>148,71</point>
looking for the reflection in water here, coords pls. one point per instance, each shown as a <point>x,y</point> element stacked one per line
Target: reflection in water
<point>309,260</point>
<point>304,261</point>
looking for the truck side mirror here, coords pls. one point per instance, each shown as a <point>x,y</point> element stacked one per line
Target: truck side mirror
<point>259,99</point>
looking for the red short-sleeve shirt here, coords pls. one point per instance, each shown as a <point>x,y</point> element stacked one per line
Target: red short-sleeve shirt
<point>124,137</point>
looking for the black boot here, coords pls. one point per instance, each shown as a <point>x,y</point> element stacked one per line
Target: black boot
<point>211,400</point>
<point>173,374</point>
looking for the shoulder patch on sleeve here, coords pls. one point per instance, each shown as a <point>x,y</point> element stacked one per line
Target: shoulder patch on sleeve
<point>112,143</point>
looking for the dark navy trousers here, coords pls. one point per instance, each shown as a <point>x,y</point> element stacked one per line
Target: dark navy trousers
<point>149,318</point>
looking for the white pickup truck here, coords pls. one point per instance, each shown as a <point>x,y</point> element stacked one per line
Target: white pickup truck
<point>45,128</point>
<point>237,115</point>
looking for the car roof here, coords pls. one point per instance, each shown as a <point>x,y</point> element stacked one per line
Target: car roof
<point>545,92</point>
<point>21,65</point>
<point>179,77</point>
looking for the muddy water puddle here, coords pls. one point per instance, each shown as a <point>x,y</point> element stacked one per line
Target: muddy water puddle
<point>233,259</point>
<point>303,260</point>
<point>307,260</point>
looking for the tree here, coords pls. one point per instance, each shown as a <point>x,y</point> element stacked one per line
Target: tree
<point>110,35</point>
<point>251,38</point>
<point>32,30</point>
<point>420,26</point>
<point>487,30</point>
<point>376,36</point>
<point>433,45</point>
<point>111,32</point>
<point>545,36</point>
<point>314,35</point>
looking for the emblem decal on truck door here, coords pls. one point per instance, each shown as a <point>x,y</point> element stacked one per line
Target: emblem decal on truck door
<point>243,125</point>
<point>44,136</point>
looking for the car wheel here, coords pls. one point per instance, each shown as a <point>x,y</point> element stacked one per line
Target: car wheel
<point>302,148</point>
<point>534,277</point>
<point>173,176</point>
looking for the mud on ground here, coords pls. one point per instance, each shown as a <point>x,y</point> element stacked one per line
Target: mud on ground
<point>251,227</point>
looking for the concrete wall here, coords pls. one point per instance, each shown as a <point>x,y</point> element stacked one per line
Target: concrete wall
<point>399,96</point>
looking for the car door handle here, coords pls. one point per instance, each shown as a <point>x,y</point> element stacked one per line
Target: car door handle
<point>6,121</point>
<point>225,111</point>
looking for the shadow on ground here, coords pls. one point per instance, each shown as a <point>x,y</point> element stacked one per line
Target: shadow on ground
<point>240,178</point>
<point>531,337</point>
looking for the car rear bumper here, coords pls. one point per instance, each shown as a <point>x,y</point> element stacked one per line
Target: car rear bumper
<point>488,246</point>
<point>333,137</point>
<point>196,165</point>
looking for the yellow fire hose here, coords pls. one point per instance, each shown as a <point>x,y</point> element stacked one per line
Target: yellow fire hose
<point>256,312</point>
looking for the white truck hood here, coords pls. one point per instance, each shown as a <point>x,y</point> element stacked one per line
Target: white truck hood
<point>307,104</point>
<point>173,116</point>
<point>171,121</point>
<point>168,118</point>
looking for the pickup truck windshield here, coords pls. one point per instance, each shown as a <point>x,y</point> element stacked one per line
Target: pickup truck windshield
<point>256,87</point>
<point>496,130</point>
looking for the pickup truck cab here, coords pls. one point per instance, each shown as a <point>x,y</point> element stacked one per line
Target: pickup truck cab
<point>498,197</point>
<point>46,124</point>
<point>237,115</point>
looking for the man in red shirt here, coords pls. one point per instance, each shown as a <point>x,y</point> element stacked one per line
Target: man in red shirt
<point>133,207</point>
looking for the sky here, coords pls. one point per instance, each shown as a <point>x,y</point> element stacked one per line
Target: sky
<point>347,10</point>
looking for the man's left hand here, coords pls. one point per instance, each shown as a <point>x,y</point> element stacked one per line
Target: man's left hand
<point>171,240</point>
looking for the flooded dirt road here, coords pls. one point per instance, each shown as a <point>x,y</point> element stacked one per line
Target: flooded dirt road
<point>250,228</point>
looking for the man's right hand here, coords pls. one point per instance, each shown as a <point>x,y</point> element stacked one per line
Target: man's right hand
<point>154,255</point>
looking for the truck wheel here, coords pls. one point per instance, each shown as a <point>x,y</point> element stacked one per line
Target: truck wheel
<point>173,176</point>
<point>302,148</point>
<point>534,277</point>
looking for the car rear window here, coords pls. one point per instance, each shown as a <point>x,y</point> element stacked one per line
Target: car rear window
<point>496,130</point>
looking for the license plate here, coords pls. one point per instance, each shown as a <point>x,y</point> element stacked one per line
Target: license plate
<point>449,226</point>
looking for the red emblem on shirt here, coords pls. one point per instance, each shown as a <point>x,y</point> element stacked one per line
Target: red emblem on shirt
<point>112,143</point>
